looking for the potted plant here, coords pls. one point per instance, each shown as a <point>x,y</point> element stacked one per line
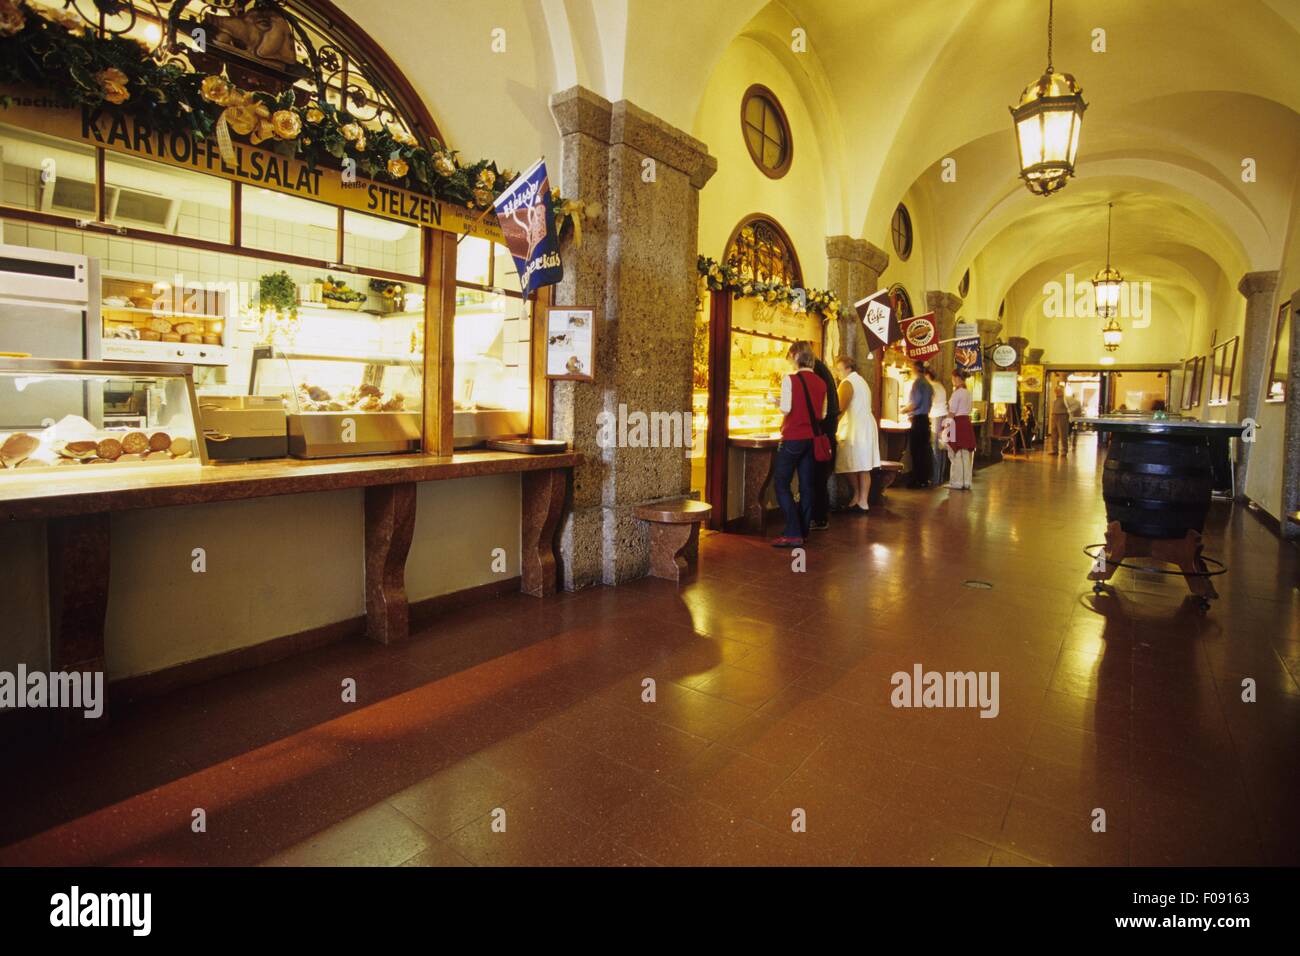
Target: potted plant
<point>277,300</point>
<point>337,295</point>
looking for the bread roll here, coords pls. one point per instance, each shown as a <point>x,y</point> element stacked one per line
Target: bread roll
<point>160,441</point>
<point>192,338</point>
<point>161,326</point>
<point>180,446</point>
<point>149,335</point>
<point>17,447</point>
<point>135,443</point>
<point>80,450</point>
<point>170,337</point>
<point>110,449</point>
<point>185,328</point>
<point>210,339</point>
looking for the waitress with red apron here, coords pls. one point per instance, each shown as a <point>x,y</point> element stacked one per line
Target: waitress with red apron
<point>960,433</point>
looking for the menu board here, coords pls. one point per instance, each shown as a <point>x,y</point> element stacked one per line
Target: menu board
<point>570,344</point>
<point>1003,388</point>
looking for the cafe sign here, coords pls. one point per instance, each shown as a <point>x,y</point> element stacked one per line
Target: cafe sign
<point>122,132</point>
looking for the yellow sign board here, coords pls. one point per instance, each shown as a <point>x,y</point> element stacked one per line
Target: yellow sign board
<point>123,132</point>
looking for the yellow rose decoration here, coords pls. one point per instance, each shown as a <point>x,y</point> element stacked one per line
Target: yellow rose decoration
<point>250,118</point>
<point>351,132</point>
<point>402,136</point>
<point>483,198</point>
<point>286,124</point>
<point>397,167</point>
<point>443,164</point>
<point>64,18</point>
<point>215,89</point>
<point>113,84</point>
<point>314,115</point>
<point>487,179</point>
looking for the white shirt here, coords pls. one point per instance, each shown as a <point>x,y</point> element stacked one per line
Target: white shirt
<point>961,402</point>
<point>939,404</point>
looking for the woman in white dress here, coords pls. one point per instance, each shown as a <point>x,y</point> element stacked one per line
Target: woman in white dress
<point>858,450</point>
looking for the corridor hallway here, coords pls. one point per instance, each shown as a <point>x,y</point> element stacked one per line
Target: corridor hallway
<point>773,692</point>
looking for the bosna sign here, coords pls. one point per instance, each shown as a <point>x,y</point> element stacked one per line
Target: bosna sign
<point>123,132</point>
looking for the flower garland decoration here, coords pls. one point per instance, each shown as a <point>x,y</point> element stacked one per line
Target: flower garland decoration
<point>727,277</point>
<point>53,49</point>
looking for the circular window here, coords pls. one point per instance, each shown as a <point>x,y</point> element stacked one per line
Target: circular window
<point>903,301</point>
<point>901,228</point>
<point>963,287</point>
<point>767,131</point>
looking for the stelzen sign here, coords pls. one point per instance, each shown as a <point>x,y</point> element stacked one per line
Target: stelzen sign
<point>123,132</point>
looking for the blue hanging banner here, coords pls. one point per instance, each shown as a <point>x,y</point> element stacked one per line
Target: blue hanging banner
<point>528,223</point>
<point>967,355</point>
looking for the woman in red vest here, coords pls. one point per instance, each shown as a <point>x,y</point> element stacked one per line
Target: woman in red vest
<point>803,398</point>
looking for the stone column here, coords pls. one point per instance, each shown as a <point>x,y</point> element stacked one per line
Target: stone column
<point>1034,356</point>
<point>945,307</point>
<point>1258,288</point>
<point>989,329</point>
<point>636,268</point>
<point>853,268</point>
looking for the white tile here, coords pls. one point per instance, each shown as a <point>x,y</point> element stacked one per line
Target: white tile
<point>188,225</point>
<point>96,246</point>
<point>210,229</point>
<point>123,266</point>
<point>38,237</point>
<point>146,259</point>
<point>15,233</point>
<point>209,264</point>
<point>167,257</point>
<point>120,248</point>
<point>187,261</point>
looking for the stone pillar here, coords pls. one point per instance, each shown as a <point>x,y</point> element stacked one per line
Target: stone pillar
<point>636,269</point>
<point>989,329</point>
<point>1291,438</point>
<point>1258,289</point>
<point>1034,356</point>
<point>853,268</point>
<point>945,307</point>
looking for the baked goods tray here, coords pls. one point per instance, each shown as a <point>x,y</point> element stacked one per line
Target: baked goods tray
<point>528,446</point>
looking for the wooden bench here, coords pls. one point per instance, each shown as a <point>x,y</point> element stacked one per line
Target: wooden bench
<point>674,535</point>
<point>883,476</point>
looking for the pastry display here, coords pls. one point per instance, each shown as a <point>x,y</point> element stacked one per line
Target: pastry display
<point>73,441</point>
<point>364,398</point>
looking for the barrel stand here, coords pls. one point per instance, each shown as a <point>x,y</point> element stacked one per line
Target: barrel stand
<point>1185,552</point>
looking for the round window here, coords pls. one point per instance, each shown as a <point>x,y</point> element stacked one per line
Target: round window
<point>767,131</point>
<point>901,228</point>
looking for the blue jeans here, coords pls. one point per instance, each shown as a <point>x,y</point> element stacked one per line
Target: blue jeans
<point>795,455</point>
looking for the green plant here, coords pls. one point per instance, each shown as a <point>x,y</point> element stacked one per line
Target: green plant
<point>276,290</point>
<point>338,290</point>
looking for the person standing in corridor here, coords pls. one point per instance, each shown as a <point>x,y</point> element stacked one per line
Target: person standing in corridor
<point>830,424</point>
<point>803,400</point>
<point>961,434</point>
<point>918,439</point>
<point>1060,422</point>
<point>938,413</point>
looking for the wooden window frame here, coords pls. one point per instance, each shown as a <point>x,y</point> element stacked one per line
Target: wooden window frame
<point>759,91</point>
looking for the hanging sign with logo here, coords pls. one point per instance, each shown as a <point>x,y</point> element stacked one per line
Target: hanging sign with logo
<point>922,336</point>
<point>879,319</point>
<point>967,354</point>
<point>1004,356</point>
<point>1031,378</point>
<point>528,222</point>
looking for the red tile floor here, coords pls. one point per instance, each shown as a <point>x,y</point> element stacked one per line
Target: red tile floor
<point>773,696</point>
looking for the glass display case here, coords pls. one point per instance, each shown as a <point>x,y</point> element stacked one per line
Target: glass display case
<point>342,405</point>
<point>492,335</point>
<point>72,415</point>
<point>757,364</point>
<point>155,320</point>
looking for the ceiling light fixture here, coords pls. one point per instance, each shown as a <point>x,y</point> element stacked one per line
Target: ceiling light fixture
<point>1047,122</point>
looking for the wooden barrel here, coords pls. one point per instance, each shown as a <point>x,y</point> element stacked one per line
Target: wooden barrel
<point>1157,486</point>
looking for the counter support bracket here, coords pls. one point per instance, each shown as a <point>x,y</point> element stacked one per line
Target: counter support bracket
<point>78,553</point>
<point>543,503</point>
<point>390,526</point>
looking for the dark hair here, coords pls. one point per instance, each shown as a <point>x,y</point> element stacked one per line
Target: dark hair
<point>848,361</point>
<point>960,373</point>
<point>802,353</point>
<point>921,367</point>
